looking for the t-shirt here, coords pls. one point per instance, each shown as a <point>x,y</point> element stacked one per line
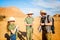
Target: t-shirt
<point>29,20</point>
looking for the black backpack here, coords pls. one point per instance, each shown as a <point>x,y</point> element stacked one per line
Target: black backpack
<point>52,27</point>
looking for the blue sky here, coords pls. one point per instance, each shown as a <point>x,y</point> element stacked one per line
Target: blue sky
<point>51,6</point>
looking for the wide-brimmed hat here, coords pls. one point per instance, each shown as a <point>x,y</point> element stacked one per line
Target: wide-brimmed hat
<point>30,13</point>
<point>11,19</point>
<point>42,11</point>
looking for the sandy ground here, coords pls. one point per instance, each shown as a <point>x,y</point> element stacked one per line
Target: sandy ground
<point>20,21</point>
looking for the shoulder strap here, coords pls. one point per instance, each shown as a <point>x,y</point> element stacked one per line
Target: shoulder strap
<point>48,18</point>
<point>53,21</point>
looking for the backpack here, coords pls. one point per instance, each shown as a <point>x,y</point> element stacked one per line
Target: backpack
<point>52,27</point>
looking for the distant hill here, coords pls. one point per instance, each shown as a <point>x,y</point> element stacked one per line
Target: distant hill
<point>11,11</point>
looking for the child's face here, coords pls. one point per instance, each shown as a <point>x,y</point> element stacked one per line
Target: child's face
<point>12,22</point>
<point>30,15</point>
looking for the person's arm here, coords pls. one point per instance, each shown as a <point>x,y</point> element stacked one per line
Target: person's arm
<point>27,24</point>
<point>12,31</point>
<point>42,24</point>
<point>18,29</point>
<point>49,23</point>
<point>39,27</point>
<point>32,21</point>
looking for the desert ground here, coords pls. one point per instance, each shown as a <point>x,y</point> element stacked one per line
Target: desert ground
<point>20,16</point>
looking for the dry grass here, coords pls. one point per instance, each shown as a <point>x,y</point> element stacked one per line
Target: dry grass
<point>20,16</point>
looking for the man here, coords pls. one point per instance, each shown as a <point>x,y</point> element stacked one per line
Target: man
<point>45,25</point>
<point>29,22</point>
<point>12,28</point>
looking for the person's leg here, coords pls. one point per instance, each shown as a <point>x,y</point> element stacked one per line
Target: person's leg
<point>48,33</point>
<point>44,37</point>
<point>48,36</point>
<point>28,32</point>
<point>31,30</point>
<point>44,31</point>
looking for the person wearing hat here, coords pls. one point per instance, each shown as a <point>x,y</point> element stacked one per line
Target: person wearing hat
<point>45,25</point>
<point>12,28</point>
<point>29,22</point>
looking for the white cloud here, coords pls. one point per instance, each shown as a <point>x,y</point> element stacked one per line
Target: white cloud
<point>30,9</point>
<point>43,5</point>
<point>34,10</point>
<point>46,4</point>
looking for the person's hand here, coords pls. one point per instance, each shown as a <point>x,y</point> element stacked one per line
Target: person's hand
<point>28,24</point>
<point>42,23</point>
<point>46,24</point>
<point>17,27</point>
<point>39,29</point>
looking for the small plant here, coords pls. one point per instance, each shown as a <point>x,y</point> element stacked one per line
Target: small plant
<point>2,17</point>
